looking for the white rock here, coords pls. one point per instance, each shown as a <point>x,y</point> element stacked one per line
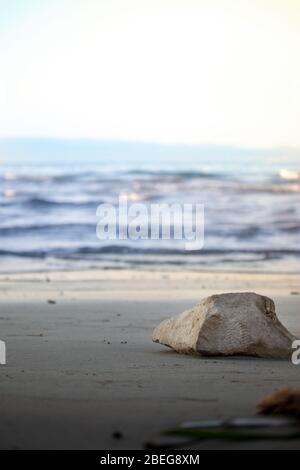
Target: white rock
<point>225,325</point>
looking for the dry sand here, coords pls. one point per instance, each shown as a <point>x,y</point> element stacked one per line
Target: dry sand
<point>84,367</point>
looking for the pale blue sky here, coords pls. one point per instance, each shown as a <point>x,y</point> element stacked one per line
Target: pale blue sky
<point>190,71</point>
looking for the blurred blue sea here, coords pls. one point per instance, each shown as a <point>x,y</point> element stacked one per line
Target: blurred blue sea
<point>50,190</point>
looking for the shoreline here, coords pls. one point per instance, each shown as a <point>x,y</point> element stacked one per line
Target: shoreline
<point>156,268</point>
<point>190,284</point>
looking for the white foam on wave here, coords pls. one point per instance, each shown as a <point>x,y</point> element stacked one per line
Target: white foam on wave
<point>290,175</point>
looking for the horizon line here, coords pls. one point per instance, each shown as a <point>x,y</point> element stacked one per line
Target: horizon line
<point>147,142</point>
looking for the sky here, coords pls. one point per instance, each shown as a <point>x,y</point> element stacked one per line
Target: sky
<point>223,72</point>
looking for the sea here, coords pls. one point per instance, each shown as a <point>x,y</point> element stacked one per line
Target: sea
<point>50,192</point>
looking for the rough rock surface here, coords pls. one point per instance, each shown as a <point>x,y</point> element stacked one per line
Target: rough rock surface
<point>228,324</point>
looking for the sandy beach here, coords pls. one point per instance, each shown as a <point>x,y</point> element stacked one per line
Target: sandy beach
<point>81,365</point>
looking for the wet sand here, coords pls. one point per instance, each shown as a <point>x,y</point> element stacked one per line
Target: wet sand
<point>82,368</point>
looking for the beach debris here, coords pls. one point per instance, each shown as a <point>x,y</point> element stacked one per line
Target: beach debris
<point>189,434</point>
<point>282,402</point>
<point>225,325</point>
<point>51,302</point>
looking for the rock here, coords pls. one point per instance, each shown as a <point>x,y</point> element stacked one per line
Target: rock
<point>226,325</point>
